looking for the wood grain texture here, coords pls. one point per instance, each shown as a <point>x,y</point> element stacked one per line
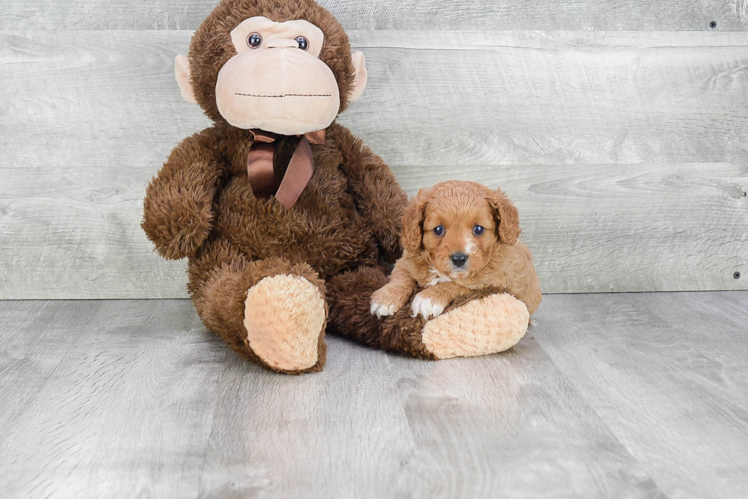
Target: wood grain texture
<point>469,98</point>
<point>135,392</point>
<point>666,373</point>
<point>633,15</point>
<point>498,427</point>
<point>340,433</point>
<point>434,98</point>
<point>104,398</point>
<point>88,117</point>
<point>376,425</point>
<point>591,228</point>
<point>609,395</point>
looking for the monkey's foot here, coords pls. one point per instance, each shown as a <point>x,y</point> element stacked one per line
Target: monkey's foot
<point>285,320</point>
<point>484,326</point>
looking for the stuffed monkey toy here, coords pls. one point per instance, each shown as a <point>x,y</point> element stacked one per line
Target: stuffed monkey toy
<point>284,215</point>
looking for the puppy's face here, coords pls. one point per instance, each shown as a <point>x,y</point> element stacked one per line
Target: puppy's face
<point>459,238</point>
<point>456,226</point>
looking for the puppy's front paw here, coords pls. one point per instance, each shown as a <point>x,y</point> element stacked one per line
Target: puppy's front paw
<point>427,304</point>
<point>387,301</point>
<point>380,310</point>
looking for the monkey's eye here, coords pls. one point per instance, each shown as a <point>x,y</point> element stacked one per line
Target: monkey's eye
<point>439,230</point>
<point>254,40</point>
<point>478,230</point>
<point>303,42</point>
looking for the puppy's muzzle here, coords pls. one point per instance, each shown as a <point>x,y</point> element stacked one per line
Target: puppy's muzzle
<point>458,259</point>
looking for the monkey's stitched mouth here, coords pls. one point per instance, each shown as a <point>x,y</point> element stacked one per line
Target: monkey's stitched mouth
<point>284,95</point>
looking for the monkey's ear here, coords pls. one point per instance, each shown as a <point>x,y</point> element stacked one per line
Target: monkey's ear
<point>359,82</point>
<point>182,72</point>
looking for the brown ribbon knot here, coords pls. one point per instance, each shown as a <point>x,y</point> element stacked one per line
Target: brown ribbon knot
<point>299,171</point>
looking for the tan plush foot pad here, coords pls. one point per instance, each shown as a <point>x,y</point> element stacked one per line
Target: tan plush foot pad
<point>484,326</point>
<point>284,316</point>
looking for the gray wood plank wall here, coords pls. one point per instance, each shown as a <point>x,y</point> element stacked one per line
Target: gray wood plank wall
<point>631,15</point>
<point>618,127</point>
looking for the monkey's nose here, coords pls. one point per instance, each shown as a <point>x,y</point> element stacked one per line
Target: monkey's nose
<point>458,259</point>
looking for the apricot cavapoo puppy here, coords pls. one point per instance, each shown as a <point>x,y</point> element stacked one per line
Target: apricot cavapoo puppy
<point>458,236</point>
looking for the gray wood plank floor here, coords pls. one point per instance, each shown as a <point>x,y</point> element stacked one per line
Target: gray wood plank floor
<point>642,395</point>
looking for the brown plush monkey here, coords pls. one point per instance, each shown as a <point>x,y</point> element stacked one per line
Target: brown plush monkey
<point>283,214</point>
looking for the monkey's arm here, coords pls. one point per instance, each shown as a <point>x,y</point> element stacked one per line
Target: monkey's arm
<point>379,198</point>
<point>178,202</point>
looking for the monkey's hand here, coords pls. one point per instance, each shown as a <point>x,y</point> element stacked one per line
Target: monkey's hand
<point>178,211</point>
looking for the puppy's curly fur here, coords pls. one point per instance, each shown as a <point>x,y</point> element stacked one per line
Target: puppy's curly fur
<point>458,237</point>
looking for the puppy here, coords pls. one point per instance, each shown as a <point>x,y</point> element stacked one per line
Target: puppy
<point>457,237</point>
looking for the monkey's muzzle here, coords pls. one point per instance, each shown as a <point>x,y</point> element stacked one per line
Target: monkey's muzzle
<point>282,90</point>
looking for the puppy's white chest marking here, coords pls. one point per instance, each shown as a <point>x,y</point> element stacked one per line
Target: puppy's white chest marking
<point>435,277</point>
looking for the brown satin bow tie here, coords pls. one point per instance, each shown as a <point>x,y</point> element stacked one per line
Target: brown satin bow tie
<point>299,171</point>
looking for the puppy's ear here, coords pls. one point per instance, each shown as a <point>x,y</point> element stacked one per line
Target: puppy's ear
<point>412,234</point>
<point>506,216</point>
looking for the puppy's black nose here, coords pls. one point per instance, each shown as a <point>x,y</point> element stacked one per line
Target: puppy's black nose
<point>458,259</point>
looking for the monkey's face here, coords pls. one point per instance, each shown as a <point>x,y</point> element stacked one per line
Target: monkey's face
<point>276,80</point>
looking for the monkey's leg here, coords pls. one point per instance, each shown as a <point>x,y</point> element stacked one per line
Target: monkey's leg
<point>476,324</point>
<point>349,298</point>
<point>270,311</point>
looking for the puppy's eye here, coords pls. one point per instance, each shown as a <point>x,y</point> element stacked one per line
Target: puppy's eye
<point>303,42</point>
<point>439,230</point>
<point>478,230</point>
<point>254,40</point>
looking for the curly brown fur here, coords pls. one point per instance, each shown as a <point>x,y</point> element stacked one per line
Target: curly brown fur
<point>201,204</point>
<point>219,300</point>
<point>178,203</point>
<point>339,222</point>
<point>348,217</point>
<point>349,296</point>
